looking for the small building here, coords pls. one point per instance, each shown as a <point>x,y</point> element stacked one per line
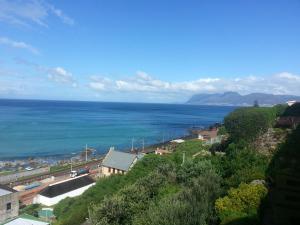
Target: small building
<point>25,220</point>
<point>56,192</point>
<point>178,141</point>
<point>46,214</point>
<point>207,135</point>
<point>160,151</point>
<point>116,162</point>
<point>291,102</point>
<point>9,203</point>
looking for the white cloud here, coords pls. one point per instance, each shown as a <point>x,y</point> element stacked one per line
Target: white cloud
<point>56,74</point>
<point>18,44</point>
<point>61,15</point>
<point>26,12</point>
<point>288,76</point>
<point>60,75</point>
<point>143,83</point>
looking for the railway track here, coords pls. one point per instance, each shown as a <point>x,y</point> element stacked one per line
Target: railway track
<point>39,177</point>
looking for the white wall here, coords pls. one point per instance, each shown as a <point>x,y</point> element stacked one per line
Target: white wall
<point>52,201</point>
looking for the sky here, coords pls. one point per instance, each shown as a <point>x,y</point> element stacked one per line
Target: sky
<point>147,51</point>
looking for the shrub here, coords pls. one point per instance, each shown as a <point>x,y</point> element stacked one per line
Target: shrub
<point>240,202</point>
<point>193,205</point>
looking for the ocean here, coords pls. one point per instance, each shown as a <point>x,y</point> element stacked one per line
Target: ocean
<point>36,128</point>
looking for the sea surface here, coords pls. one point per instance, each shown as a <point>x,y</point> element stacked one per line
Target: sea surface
<point>58,128</point>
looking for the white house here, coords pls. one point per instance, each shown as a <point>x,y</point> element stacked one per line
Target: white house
<point>68,188</point>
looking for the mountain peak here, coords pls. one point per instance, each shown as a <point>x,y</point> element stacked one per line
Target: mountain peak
<point>235,99</point>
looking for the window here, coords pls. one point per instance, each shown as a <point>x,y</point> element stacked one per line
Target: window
<point>109,169</point>
<point>113,170</point>
<point>8,206</point>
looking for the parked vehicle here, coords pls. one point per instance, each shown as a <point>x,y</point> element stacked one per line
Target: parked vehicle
<point>75,173</point>
<point>29,168</point>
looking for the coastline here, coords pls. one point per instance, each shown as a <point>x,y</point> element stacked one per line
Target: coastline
<point>54,160</point>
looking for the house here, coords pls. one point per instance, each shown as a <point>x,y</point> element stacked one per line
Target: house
<point>209,136</point>
<point>160,151</point>
<point>116,162</point>
<point>72,187</point>
<point>9,203</point>
<point>206,135</point>
<point>25,220</point>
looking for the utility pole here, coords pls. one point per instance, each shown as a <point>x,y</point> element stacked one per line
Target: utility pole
<point>183,158</point>
<point>86,152</point>
<point>132,144</point>
<point>71,165</point>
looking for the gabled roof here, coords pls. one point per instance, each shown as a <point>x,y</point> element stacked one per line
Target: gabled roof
<point>119,160</point>
<point>60,188</point>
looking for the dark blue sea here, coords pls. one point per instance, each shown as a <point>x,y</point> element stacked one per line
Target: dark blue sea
<point>58,128</point>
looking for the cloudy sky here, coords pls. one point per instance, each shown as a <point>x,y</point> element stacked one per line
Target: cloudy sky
<point>147,51</point>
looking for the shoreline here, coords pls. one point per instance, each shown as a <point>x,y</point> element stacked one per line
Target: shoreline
<point>57,158</point>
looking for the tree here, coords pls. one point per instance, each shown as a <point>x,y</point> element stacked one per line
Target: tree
<point>247,123</point>
<point>255,103</point>
<point>120,208</point>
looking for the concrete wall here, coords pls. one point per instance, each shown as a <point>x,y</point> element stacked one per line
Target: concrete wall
<point>106,171</point>
<point>52,201</point>
<point>14,211</point>
<point>6,179</point>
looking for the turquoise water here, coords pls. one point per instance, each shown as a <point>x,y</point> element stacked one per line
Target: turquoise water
<point>53,128</point>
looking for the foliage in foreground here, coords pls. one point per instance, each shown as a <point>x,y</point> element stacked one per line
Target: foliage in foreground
<point>163,197</point>
<point>241,202</point>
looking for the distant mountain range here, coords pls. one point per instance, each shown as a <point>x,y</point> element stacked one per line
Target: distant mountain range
<point>235,99</point>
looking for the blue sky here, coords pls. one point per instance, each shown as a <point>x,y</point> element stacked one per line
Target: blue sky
<point>147,51</point>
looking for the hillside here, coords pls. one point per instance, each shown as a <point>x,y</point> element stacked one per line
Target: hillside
<point>208,189</point>
<point>235,99</point>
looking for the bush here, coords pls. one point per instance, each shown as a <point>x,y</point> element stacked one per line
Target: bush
<point>31,209</point>
<point>193,205</point>
<point>240,202</point>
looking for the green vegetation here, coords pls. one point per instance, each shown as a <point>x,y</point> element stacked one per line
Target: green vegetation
<point>248,123</point>
<point>222,130</point>
<point>186,187</point>
<point>31,210</point>
<point>75,210</point>
<point>241,202</point>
